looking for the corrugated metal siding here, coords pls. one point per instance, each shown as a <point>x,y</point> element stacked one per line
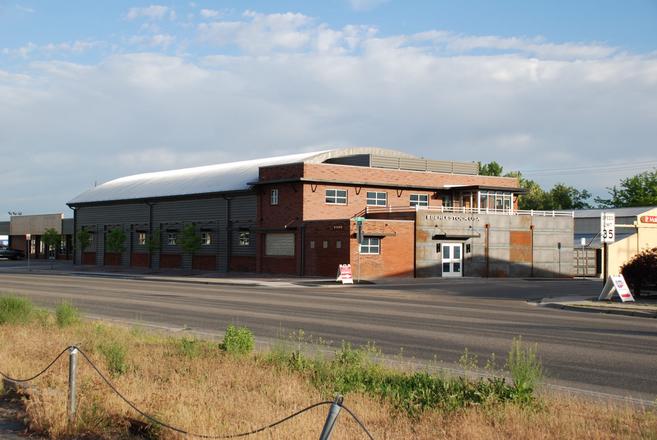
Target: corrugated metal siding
<point>67,226</point>
<point>243,216</point>
<point>438,166</point>
<point>4,228</point>
<point>113,214</point>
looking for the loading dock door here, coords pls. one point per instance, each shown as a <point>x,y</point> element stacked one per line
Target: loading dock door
<point>452,259</point>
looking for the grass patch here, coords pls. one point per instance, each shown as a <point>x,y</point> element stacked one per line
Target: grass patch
<point>15,310</point>
<point>66,315</point>
<point>238,340</point>
<point>114,353</point>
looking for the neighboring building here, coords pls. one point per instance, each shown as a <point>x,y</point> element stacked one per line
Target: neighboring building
<point>636,230</point>
<point>295,215</point>
<point>19,226</point>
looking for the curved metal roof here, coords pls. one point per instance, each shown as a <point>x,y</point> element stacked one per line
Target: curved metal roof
<point>233,176</point>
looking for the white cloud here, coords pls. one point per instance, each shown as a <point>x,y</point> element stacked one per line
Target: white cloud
<point>366,5</point>
<point>299,84</point>
<point>157,40</point>
<point>152,12</point>
<point>209,13</point>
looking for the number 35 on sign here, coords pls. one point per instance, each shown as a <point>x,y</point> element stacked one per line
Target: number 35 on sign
<point>607,227</point>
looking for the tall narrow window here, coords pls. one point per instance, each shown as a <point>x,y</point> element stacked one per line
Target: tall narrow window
<point>245,237</point>
<point>141,238</point>
<point>377,198</point>
<point>171,238</point>
<point>273,197</point>
<point>206,238</point>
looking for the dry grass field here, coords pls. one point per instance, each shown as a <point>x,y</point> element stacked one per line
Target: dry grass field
<point>196,386</point>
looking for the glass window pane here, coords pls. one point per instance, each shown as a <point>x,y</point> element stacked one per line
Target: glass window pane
<point>446,268</point>
<point>446,251</point>
<point>457,251</point>
<point>457,267</point>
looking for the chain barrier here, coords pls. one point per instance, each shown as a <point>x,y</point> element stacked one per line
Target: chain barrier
<point>154,420</point>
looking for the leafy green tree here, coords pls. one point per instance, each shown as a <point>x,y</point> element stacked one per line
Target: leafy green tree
<point>638,190</point>
<point>190,241</point>
<point>562,196</point>
<point>153,240</point>
<point>490,169</point>
<point>84,239</point>
<point>51,238</point>
<point>116,240</point>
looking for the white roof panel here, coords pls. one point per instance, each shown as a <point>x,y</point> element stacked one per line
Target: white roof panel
<point>223,177</point>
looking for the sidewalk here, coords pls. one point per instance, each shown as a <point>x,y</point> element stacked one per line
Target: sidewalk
<point>644,307</point>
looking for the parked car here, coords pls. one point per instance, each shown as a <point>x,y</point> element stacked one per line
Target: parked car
<point>12,254</point>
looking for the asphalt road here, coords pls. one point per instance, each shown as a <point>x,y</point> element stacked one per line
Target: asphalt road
<point>603,353</point>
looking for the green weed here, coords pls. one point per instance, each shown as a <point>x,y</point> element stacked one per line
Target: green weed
<point>238,340</point>
<point>66,315</point>
<point>115,356</point>
<point>15,310</point>
<point>525,368</point>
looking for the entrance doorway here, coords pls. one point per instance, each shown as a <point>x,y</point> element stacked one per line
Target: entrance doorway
<point>452,259</point>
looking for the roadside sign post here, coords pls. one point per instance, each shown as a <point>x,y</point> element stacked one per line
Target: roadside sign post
<point>28,238</point>
<point>359,238</point>
<point>607,235</point>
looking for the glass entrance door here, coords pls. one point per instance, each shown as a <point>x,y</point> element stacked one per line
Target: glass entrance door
<point>452,259</point>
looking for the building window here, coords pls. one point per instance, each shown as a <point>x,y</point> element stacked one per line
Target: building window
<point>312,244</point>
<point>370,245</point>
<point>62,246</point>
<point>325,244</point>
<point>338,244</point>
<point>141,238</point>
<point>419,200</point>
<point>377,198</point>
<point>245,237</point>
<point>447,201</point>
<point>206,238</point>
<point>171,238</point>
<point>336,196</point>
<point>273,197</point>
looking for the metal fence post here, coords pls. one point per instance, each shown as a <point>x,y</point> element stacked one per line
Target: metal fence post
<point>72,367</point>
<point>331,418</point>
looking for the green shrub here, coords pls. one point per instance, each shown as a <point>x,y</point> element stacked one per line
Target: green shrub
<point>190,347</point>
<point>641,270</point>
<point>66,314</point>
<point>115,356</point>
<point>15,310</point>
<point>525,368</point>
<point>238,340</point>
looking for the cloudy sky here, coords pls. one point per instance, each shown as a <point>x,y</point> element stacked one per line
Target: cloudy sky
<point>564,91</point>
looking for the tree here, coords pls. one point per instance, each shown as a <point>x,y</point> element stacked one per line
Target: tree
<point>562,196</point>
<point>190,241</point>
<point>638,190</point>
<point>51,238</point>
<point>115,240</point>
<point>153,240</point>
<point>84,239</point>
<point>490,169</point>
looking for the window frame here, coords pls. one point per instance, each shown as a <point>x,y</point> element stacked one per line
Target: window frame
<point>376,198</point>
<point>172,239</point>
<point>335,197</point>
<point>244,237</point>
<point>419,202</point>
<point>274,197</point>
<point>141,238</point>
<point>369,248</point>
<point>206,238</point>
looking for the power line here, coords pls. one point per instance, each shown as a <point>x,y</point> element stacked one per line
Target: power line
<point>602,169</point>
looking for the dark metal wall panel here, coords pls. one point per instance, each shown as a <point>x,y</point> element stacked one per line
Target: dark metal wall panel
<point>4,228</point>
<point>67,226</point>
<point>192,210</point>
<point>113,214</point>
<point>243,216</point>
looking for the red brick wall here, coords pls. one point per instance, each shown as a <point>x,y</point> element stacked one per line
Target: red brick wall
<point>139,259</point>
<point>239,263</point>
<point>204,262</point>
<point>396,258</point>
<point>89,258</point>
<point>18,242</point>
<point>279,172</point>
<point>345,173</point>
<point>320,261</point>
<point>170,261</point>
<point>279,265</point>
<point>112,259</point>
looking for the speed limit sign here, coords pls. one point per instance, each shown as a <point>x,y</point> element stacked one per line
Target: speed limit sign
<point>607,227</point>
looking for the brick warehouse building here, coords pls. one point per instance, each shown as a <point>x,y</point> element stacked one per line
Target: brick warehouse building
<point>295,215</point>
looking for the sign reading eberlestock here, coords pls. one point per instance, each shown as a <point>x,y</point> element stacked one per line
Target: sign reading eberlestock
<point>607,227</point>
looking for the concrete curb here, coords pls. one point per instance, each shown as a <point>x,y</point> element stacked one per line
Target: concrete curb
<point>590,309</point>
